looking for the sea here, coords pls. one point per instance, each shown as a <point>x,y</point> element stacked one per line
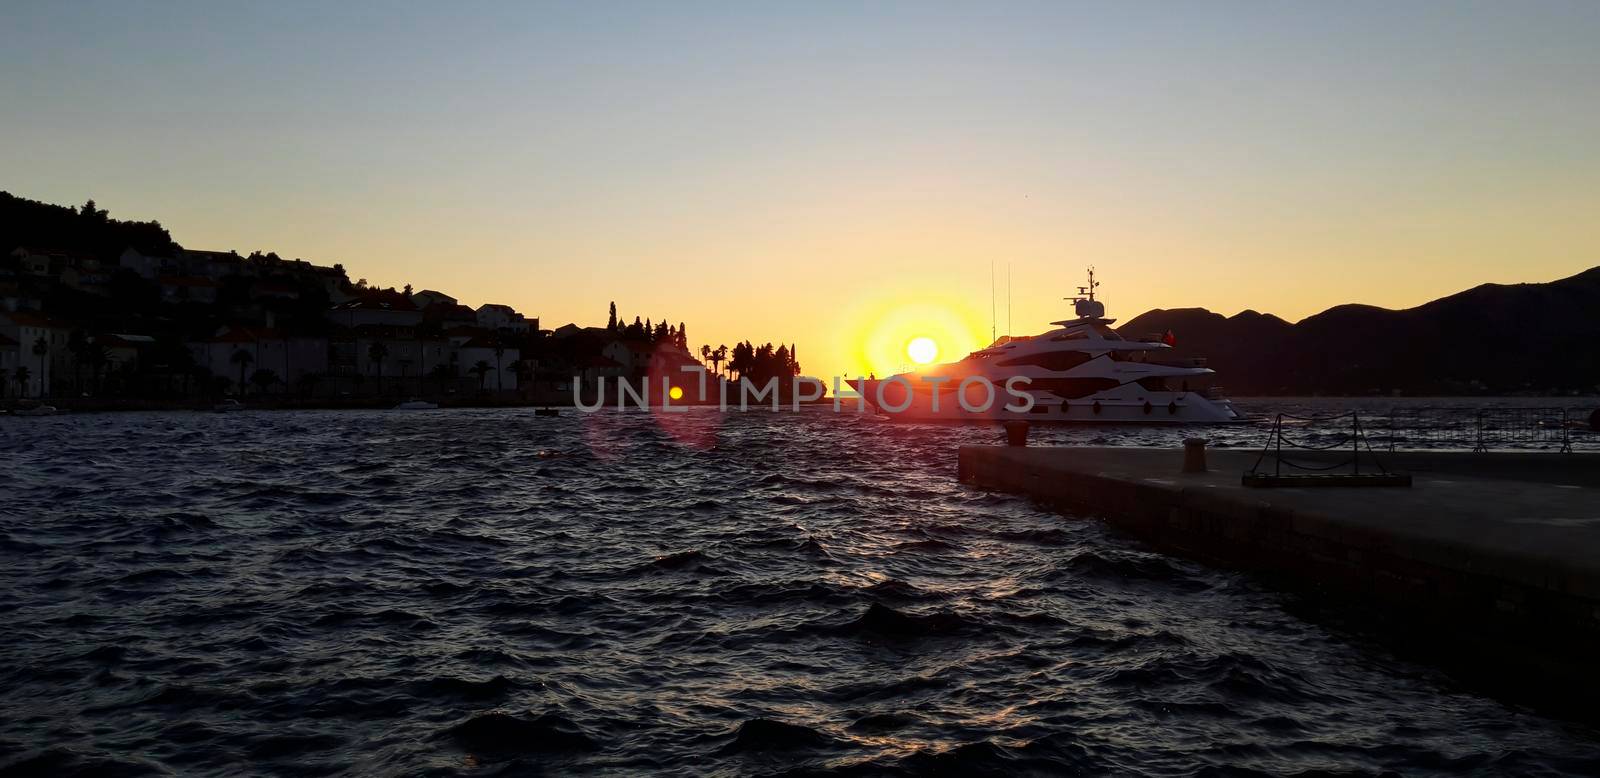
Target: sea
<point>492,592</point>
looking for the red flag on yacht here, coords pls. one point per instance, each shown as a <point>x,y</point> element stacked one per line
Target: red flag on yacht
<point>1169,339</point>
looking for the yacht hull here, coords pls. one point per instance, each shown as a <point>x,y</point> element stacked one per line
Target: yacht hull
<point>1123,405</point>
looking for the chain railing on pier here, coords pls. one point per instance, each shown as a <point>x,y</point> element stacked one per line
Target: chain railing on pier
<point>1317,446</point>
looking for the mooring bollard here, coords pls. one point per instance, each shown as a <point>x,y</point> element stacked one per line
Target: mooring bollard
<point>1194,455</point>
<point>1016,433</point>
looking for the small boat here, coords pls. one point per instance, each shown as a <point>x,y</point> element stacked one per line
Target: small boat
<point>546,412</point>
<point>37,410</point>
<point>416,405</point>
<point>227,406</point>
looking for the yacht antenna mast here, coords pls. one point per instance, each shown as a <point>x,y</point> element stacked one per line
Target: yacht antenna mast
<point>1084,303</point>
<point>1008,299</point>
<point>993,335</point>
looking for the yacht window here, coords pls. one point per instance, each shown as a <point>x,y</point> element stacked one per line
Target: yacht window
<point>1073,388</point>
<point>1076,335</point>
<point>1050,360</point>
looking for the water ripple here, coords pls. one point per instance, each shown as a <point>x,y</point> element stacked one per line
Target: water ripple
<point>493,592</point>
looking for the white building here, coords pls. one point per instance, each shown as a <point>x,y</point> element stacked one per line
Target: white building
<point>428,297</point>
<point>181,289</point>
<point>48,263</point>
<point>10,357</point>
<point>386,309</point>
<point>501,317</point>
<point>289,357</point>
<point>633,355</point>
<point>148,267</point>
<point>403,354</point>
<point>501,361</point>
<point>27,329</point>
<point>215,265</point>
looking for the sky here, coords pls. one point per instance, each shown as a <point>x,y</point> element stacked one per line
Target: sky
<point>841,176</point>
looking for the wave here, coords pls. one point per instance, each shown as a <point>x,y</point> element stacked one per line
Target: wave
<point>762,735</point>
<point>500,733</point>
<point>882,621</point>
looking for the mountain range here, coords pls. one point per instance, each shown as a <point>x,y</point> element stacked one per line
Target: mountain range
<point>1491,339</point>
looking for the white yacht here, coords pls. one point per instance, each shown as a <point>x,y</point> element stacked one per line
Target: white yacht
<point>1081,371</point>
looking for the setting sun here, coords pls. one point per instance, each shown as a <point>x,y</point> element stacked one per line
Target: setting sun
<point>922,350</point>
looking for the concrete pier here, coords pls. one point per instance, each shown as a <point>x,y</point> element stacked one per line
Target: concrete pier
<point>1496,558</point>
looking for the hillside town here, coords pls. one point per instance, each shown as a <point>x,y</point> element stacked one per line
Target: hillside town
<point>157,325</point>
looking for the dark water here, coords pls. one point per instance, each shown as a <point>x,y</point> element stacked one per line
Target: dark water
<point>491,592</point>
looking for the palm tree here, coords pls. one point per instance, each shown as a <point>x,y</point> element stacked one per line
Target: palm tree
<point>481,370</point>
<point>97,356</point>
<point>442,373</point>
<point>77,346</point>
<point>41,347</point>
<point>523,370</point>
<point>21,376</point>
<point>376,352</point>
<point>243,359</point>
<point>499,351</point>
<point>263,379</point>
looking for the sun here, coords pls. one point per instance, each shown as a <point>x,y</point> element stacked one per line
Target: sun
<point>922,350</point>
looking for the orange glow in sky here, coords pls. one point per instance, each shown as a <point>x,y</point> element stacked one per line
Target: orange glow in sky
<point>840,177</point>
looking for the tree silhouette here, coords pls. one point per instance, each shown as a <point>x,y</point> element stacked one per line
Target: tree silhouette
<point>77,346</point>
<point>92,214</point>
<point>243,359</point>
<point>263,379</point>
<point>523,370</point>
<point>611,323</point>
<point>41,347</point>
<point>499,351</point>
<point>442,373</point>
<point>21,376</point>
<point>481,370</point>
<point>98,357</point>
<point>376,352</point>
